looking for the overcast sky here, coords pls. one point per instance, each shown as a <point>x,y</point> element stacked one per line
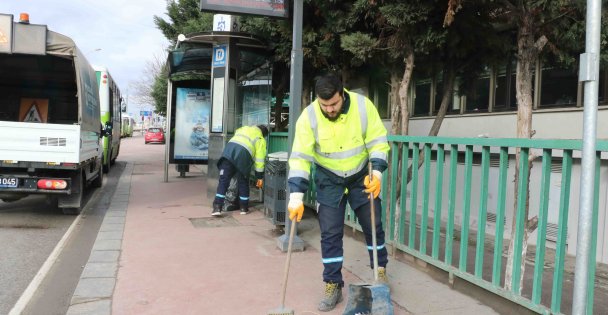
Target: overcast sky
<point>124,30</point>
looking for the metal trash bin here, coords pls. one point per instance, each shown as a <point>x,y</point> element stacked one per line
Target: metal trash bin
<point>275,187</point>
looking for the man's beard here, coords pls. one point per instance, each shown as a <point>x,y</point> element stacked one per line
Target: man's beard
<point>329,117</point>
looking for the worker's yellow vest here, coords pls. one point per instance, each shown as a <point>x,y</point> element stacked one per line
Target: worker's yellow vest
<point>252,139</point>
<point>342,146</point>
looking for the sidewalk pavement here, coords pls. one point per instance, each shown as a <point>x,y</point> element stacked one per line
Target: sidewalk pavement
<point>159,251</point>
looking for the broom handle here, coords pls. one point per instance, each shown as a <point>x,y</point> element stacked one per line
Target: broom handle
<point>373,211</point>
<point>286,275</point>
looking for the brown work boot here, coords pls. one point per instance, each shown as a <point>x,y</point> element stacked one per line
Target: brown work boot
<point>332,296</point>
<point>382,277</point>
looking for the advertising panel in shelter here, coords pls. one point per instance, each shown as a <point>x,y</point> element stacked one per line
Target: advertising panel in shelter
<point>193,106</point>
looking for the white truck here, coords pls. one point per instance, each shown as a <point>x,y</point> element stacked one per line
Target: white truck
<point>50,129</point>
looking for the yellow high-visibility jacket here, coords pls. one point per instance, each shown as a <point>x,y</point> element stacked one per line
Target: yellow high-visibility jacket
<point>341,148</point>
<point>246,148</point>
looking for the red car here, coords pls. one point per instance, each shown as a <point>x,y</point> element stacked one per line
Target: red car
<point>155,135</point>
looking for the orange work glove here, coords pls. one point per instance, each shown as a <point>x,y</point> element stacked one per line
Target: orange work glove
<point>373,186</point>
<point>259,183</point>
<point>296,206</point>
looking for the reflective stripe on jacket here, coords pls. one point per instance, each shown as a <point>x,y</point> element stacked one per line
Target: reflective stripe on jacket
<point>342,147</point>
<point>246,148</point>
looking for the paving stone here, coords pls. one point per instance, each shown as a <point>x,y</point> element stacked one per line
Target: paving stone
<point>104,256</point>
<point>109,235</point>
<point>102,307</point>
<point>113,220</point>
<point>107,245</point>
<point>100,270</point>
<point>90,289</point>
<point>107,227</point>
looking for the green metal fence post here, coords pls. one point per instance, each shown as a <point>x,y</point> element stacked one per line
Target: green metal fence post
<point>500,215</point>
<point>522,193</point>
<point>564,205</point>
<point>393,194</point>
<point>405,152</point>
<point>483,211</point>
<point>414,196</point>
<point>466,208</point>
<point>438,197</point>
<point>425,197</point>
<point>539,264</point>
<point>449,234</point>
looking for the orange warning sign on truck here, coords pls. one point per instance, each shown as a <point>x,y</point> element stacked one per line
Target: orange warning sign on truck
<point>34,110</point>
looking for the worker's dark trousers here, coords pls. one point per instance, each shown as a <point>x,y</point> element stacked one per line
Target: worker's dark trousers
<point>227,171</point>
<point>331,221</point>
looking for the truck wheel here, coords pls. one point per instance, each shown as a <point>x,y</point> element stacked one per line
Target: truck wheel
<point>98,181</point>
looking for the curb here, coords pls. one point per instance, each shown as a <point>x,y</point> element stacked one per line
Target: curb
<point>93,294</point>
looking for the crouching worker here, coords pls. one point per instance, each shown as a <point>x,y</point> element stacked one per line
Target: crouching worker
<point>340,132</point>
<point>246,148</point>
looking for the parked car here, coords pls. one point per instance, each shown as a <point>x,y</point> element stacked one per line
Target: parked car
<point>155,135</point>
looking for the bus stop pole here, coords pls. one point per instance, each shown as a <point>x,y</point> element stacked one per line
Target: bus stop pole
<point>168,131</point>
<point>295,108</point>
<point>589,74</point>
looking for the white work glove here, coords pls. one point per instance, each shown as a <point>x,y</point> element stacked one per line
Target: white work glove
<point>296,206</point>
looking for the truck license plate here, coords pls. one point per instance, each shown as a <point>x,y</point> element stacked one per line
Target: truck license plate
<point>8,182</point>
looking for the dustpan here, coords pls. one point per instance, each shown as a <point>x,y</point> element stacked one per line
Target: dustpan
<point>370,298</point>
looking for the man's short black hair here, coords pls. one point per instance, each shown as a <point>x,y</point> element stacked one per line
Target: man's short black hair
<point>264,130</point>
<point>327,85</point>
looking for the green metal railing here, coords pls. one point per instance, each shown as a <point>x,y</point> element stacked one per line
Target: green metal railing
<point>411,236</point>
<point>407,228</point>
<point>277,142</point>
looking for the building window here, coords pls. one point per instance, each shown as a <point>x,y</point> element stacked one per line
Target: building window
<point>478,95</point>
<point>504,91</point>
<point>558,87</point>
<point>379,91</point>
<point>454,106</point>
<point>422,98</point>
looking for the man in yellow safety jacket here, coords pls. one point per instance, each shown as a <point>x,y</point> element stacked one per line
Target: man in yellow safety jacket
<point>341,131</point>
<point>246,148</point>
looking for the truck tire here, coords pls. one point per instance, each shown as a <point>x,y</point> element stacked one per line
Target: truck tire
<point>98,181</point>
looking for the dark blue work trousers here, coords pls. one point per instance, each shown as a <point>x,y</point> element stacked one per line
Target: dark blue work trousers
<point>227,171</point>
<point>331,221</point>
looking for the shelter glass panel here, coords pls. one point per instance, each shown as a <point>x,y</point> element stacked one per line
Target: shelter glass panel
<point>254,89</point>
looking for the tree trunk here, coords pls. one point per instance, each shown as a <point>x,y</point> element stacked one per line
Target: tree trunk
<point>403,90</point>
<point>526,57</point>
<point>448,89</point>
<point>395,109</point>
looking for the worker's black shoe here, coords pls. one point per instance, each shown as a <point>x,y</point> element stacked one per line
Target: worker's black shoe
<point>217,210</point>
<point>332,296</point>
<point>244,210</point>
